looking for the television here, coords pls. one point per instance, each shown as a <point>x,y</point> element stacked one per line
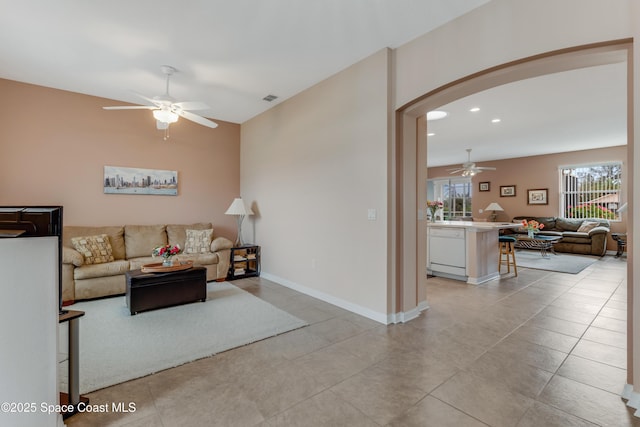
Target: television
<point>33,222</point>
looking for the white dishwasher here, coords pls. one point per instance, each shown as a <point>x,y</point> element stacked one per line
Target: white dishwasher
<point>447,251</point>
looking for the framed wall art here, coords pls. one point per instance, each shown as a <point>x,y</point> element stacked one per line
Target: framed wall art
<point>507,191</point>
<point>538,196</point>
<point>484,186</point>
<point>121,180</point>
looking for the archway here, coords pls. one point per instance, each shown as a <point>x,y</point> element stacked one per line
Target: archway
<point>411,152</point>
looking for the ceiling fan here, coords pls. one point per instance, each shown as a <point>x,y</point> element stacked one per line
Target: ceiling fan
<point>469,168</point>
<point>166,110</point>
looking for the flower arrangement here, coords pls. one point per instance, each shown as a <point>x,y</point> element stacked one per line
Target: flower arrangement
<point>532,226</point>
<point>433,206</point>
<point>166,252</point>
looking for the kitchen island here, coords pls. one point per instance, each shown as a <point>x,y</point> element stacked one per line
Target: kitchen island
<point>464,250</point>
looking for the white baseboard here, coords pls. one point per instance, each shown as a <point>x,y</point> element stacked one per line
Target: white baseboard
<point>632,398</point>
<point>383,318</point>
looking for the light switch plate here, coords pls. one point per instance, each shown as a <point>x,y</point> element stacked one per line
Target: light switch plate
<point>372,214</point>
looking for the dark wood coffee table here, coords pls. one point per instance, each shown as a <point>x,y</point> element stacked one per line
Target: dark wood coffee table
<point>543,243</point>
<point>148,291</point>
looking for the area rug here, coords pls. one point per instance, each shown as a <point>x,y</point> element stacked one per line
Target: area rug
<point>117,347</point>
<point>561,263</point>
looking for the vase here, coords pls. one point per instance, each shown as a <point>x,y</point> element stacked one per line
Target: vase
<point>167,262</point>
<point>530,234</point>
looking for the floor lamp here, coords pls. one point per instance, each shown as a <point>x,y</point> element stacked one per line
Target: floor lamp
<point>239,209</point>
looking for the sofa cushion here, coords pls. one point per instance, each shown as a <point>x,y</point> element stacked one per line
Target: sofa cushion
<point>115,233</point>
<point>94,249</point>
<point>113,268</point>
<point>576,237</point>
<point>177,233</point>
<point>587,226</point>
<point>141,239</point>
<point>198,241</point>
<point>564,224</point>
<point>201,259</point>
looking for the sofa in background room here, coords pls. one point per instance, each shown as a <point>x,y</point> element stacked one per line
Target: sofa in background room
<point>586,236</point>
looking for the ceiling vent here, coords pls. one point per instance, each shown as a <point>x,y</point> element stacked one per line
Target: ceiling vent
<point>269,98</point>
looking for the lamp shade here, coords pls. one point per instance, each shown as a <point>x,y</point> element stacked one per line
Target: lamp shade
<point>238,208</point>
<point>494,207</point>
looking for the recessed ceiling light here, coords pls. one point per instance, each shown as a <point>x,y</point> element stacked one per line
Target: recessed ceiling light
<point>436,115</point>
<point>495,121</point>
<point>431,134</point>
<point>475,109</point>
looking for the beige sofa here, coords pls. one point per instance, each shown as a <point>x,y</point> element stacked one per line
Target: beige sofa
<point>131,247</point>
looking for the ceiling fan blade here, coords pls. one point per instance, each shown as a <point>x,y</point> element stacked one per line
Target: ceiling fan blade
<point>149,100</point>
<point>455,170</point>
<point>131,107</point>
<point>485,168</point>
<point>191,105</point>
<point>196,118</point>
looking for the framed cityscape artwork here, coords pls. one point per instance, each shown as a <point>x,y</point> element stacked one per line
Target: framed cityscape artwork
<point>122,180</point>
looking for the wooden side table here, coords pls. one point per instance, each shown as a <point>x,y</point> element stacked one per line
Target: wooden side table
<point>72,398</point>
<point>621,240</point>
<point>245,262</point>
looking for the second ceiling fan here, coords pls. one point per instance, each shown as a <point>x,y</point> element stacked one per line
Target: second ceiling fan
<point>469,168</point>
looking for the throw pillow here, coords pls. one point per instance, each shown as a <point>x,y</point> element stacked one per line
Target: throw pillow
<point>587,226</point>
<point>95,249</point>
<point>198,241</point>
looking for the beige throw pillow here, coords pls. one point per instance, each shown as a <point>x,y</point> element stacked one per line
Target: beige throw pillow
<point>198,241</point>
<point>95,249</point>
<point>587,226</point>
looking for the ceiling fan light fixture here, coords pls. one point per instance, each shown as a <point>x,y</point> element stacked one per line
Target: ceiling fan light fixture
<point>165,116</point>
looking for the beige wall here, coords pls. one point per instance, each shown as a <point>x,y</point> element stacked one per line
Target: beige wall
<point>313,166</point>
<point>502,31</point>
<point>531,173</point>
<point>54,145</point>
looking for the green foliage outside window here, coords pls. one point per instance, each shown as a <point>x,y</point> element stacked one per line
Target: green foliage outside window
<point>590,211</point>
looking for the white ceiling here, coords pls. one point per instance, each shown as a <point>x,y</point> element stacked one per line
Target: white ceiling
<point>230,53</point>
<point>568,111</point>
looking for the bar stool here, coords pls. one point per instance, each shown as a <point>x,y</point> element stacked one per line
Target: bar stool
<point>506,244</point>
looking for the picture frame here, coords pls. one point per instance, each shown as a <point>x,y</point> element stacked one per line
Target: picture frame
<point>507,191</point>
<point>538,196</point>
<point>484,186</point>
<point>125,180</point>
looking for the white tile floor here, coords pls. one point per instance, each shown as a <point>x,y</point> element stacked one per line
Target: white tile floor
<point>542,349</point>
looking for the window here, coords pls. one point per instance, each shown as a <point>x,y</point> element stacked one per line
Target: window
<point>591,191</point>
<point>455,194</point>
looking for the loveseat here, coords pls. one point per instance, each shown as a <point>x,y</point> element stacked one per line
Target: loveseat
<point>95,259</point>
<point>586,236</point>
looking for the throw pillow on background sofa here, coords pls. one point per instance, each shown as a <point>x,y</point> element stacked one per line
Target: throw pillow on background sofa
<point>587,226</point>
